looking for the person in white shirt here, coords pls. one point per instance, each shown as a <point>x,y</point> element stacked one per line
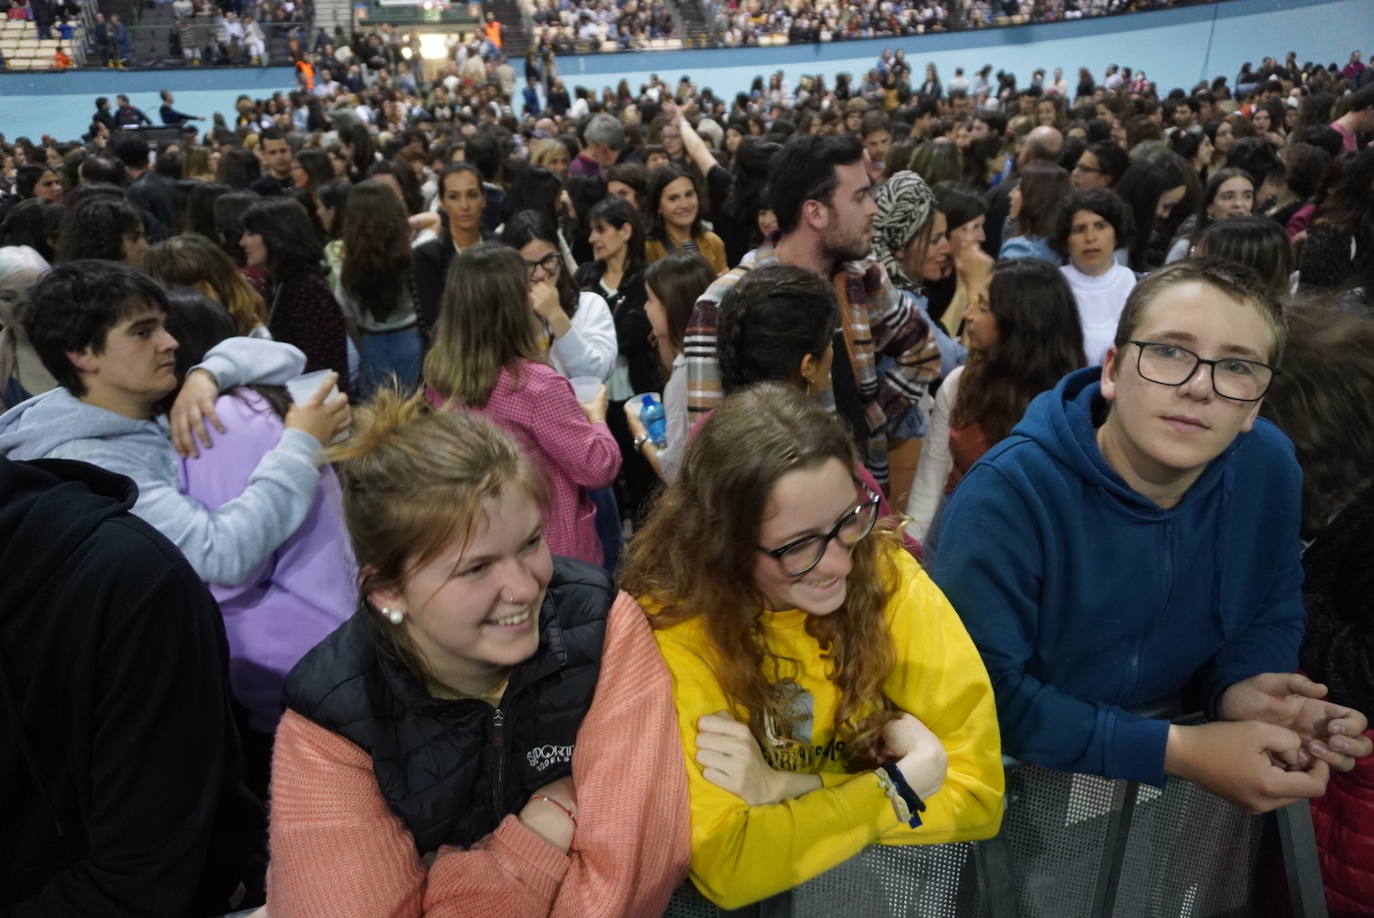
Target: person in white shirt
<point>1059,86</point>
<point>580,329</point>
<point>254,41</point>
<point>233,35</point>
<point>1092,224</point>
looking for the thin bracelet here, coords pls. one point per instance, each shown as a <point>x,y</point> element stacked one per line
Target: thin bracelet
<point>566,812</point>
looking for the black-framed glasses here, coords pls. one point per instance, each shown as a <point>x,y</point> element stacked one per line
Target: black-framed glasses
<point>1232,377</point>
<point>799,556</point>
<point>1082,167</point>
<point>549,263</point>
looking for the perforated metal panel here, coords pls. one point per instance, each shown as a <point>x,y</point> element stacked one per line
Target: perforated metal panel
<point>927,881</point>
<point>1054,831</point>
<point>1191,854</point>
<point>688,903</point>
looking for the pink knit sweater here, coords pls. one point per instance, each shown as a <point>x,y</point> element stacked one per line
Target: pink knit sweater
<point>339,851</point>
<point>540,411</point>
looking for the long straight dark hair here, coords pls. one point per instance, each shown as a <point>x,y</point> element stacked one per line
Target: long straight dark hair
<point>293,245</point>
<point>1039,340</point>
<point>658,183</point>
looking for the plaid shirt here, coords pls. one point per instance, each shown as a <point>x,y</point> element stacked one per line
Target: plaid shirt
<point>876,321</point>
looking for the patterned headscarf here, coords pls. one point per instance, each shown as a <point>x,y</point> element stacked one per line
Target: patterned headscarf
<point>905,203</point>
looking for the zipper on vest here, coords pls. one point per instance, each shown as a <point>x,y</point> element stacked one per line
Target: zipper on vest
<point>498,786</point>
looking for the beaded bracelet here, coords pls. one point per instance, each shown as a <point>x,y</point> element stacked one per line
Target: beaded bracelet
<point>914,805</point>
<point>566,812</point>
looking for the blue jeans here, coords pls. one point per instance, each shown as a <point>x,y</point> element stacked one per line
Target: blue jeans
<point>391,354</point>
<point>607,525</point>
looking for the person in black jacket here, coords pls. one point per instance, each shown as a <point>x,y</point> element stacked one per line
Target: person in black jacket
<point>493,724</point>
<point>103,114</point>
<point>147,189</point>
<point>120,770</point>
<point>617,238</point>
<point>462,200</point>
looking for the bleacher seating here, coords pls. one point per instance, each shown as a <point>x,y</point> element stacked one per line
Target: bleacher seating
<point>24,50</point>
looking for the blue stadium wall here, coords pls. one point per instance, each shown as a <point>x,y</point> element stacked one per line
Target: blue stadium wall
<point>1175,47</point>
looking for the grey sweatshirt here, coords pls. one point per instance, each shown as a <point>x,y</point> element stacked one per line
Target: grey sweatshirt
<point>223,545</point>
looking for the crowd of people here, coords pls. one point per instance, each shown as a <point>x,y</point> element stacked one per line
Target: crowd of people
<point>236,32</point>
<point>751,22</point>
<point>586,25</point>
<point>231,32</point>
<point>540,511</point>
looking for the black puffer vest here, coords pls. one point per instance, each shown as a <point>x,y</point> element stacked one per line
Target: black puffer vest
<point>452,770</point>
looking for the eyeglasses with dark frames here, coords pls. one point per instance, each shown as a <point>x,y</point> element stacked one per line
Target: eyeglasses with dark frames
<point>549,263</point>
<point>1233,378</point>
<point>800,556</point>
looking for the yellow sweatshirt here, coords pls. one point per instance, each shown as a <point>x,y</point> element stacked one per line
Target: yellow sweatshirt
<point>742,854</point>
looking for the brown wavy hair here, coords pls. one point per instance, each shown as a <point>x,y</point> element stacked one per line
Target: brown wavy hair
<point>1039,341</point>
<point>194,261</point>
<point>1324,401</point>
<point>377,264</point>
<point>695,556</point>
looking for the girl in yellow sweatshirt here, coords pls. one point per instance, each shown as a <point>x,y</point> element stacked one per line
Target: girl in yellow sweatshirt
<point>827,694</point>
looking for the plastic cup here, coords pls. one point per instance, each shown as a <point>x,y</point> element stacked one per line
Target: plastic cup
<point>303,388</point>
<point>585,388</point>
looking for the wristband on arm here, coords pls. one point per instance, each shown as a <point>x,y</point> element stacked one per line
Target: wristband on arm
<point>906,802</point>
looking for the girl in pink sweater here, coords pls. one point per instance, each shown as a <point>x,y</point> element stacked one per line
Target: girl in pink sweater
<point>492,732</point>
<point>488,357</point>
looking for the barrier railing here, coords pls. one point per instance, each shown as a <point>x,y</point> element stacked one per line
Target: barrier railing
<point>1071,846</point>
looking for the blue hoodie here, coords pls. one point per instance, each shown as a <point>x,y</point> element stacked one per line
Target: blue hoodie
<point>1084,597</point>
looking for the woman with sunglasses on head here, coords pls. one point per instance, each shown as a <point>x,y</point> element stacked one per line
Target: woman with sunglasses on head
<point>579,331</point>
<point>828,697</point>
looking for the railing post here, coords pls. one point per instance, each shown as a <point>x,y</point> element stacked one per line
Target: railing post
<point>1114,848</point>
<point>1298,842</point>
<point>779,906</point>
<point>996,888</point>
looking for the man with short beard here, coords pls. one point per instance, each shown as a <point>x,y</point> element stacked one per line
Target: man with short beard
<point>820,192</point>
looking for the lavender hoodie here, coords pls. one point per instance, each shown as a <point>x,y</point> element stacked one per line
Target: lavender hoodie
<point>302,591</point>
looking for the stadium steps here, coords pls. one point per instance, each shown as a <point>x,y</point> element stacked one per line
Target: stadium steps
<point>515,38</point>
<point>151,36</point>
<point>692,21</point>
<point>331,13</point>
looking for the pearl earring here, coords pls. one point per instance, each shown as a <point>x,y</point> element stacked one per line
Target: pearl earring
<point>395,615</point>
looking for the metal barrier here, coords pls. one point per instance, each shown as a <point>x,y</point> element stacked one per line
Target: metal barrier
<point>1070,846</point>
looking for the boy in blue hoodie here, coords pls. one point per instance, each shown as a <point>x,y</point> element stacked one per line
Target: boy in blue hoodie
<point>1136,536</point>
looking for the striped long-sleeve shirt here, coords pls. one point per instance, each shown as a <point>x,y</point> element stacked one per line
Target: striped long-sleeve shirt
<point>876,321</point>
